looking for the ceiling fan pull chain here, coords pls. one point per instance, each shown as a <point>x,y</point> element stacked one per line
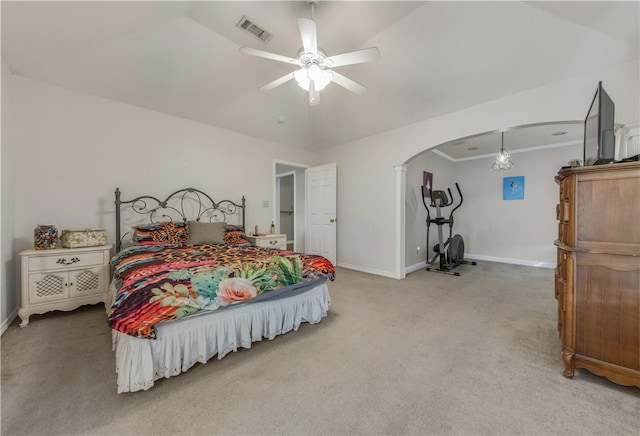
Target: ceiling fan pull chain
<point>314,95</point>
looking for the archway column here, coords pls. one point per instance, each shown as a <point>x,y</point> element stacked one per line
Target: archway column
<point>400,194</point>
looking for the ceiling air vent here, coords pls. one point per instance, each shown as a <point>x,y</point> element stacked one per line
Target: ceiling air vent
<point>254,30</point>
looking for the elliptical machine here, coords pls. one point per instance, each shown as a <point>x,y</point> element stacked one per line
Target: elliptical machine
<point>450,253</point>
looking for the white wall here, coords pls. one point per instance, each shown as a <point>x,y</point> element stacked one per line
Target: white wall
<point>366,176</point>
<point>516,231</point>
<point>72,150</point>
<point>9,294</point>
<point>365,206</point>
<point>416,215</point>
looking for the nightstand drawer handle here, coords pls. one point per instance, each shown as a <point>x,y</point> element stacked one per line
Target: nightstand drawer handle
<point>63,261</point>
<point>274,242</point>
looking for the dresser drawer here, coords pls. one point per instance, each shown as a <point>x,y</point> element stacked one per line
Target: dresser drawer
<point>65,261</point>
<point>270,241</point>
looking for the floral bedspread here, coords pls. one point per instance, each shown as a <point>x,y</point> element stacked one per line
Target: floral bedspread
<point>159,283</point>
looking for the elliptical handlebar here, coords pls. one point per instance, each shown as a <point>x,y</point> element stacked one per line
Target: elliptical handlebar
<point>425,203</point>
<point>448,201</point>
<point>461,198</point>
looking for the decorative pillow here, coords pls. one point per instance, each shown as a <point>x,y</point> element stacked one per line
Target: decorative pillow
<point>205,233</point>
<point>160,233</point>
<point>234,235</point>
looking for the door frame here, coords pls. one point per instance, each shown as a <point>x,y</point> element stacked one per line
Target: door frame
<point>278,207</point>
<point>276,210</point>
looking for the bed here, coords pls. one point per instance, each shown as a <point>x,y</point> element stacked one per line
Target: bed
<point>188,286</point>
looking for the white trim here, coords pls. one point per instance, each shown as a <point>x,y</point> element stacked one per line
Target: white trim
<point>519,150</point>
<point>509,260</point>
<point>364,269</point>
<point>8,321</point>
<point>422,265</point>
<point>290,164</point>
<point>443,155</point>
<point>276,211</point>
<point>278,205</point>
<point>401,187</point>
<point>285,174</point>
<point>415,267</point>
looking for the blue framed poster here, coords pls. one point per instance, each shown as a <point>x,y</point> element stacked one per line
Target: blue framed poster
<point>513,188</point>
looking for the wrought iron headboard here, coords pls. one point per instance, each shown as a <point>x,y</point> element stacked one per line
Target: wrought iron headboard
<point>202,204</point>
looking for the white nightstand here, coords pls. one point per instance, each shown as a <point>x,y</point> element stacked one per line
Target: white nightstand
<point>276,240</point>
<point>63,279</point>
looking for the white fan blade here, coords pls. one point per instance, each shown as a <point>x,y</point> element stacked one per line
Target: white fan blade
<point>277,82</point>
<point>354,57</point>
<point>267,55</point>
<point>347,83</point>
<point>308,35</point>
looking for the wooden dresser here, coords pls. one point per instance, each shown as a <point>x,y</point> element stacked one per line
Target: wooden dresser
<point>597,281</point>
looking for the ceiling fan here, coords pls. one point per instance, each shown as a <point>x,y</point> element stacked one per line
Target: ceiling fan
<point>314,73</point>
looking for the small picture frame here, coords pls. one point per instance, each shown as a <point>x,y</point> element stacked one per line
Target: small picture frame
<point>513,188</point>
<point>427,184</point>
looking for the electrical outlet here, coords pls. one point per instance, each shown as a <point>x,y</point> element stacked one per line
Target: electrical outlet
<point>265,203</point>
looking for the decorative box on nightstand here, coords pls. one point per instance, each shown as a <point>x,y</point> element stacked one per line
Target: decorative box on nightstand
<point>278,241</point>
<point>63,279</point>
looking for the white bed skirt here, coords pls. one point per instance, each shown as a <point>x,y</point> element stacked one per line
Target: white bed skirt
<point>182,343</point>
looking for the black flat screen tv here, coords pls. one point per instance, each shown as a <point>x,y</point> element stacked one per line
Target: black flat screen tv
<point>599,141</point>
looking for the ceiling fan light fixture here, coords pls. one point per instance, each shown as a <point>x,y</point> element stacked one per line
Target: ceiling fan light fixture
<point>302,78</point>
<point>313,73</point>
<point>323,79</point>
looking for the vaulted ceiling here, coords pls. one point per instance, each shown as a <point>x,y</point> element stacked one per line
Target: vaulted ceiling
<point>182,58</point>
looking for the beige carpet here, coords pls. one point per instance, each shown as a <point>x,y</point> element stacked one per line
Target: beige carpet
<point>432,354</point>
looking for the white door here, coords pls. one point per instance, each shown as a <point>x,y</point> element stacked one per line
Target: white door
<point>320,234</point>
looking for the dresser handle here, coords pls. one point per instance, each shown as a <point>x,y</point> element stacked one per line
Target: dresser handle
<point>63,261</point>
<point>274,242</point>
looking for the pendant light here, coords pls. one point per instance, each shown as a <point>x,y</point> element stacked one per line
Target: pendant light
<point>503,161</point>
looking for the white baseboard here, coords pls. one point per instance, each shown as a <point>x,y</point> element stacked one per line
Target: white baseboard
<point>367,270</point>
<point>421,265</point>
<point>418,266</point>
<point>509,260</point>
<point>8,321</point>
